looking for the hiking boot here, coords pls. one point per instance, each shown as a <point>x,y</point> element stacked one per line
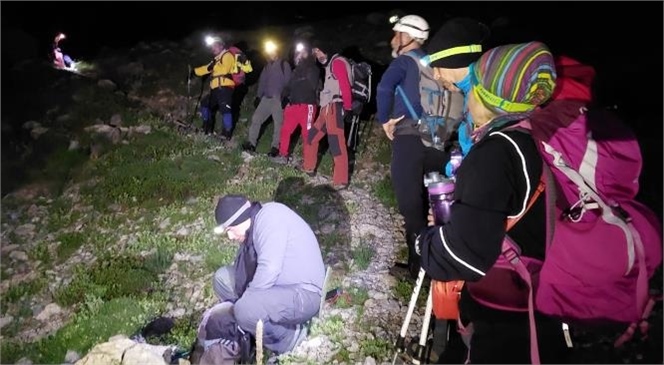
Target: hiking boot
<point>282,160</point>
<point>339,187</point>
<point>274,152</point>
<point>225,134</point>
<point>309,173</point>
<point>299,336</point>
<point>247,146</point>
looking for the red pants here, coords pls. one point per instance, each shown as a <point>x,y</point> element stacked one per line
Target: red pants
<point>302,115</point>
<point>330,122</point>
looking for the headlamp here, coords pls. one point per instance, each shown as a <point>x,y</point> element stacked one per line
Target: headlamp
<point>270,47</point>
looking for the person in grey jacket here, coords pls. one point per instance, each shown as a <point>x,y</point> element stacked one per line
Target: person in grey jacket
<point>278,272</point>
<point>271,83</point>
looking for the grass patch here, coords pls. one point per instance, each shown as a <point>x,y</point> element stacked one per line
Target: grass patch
<point>383,151</point>
<point>183,333</point>
<point>356,296</point>
<point>403,290</point>
<point>22,290</point>
<point>69,243</point>
<point>42,253</point>
<point>59,167</point>
<point>362,255</point>
<point>159,169</point>
<point>115,277</point>
<point>377,348</point>
<point>60,214</point>
<point>96,325</point>
<point>383,191</point>
<point>333,327</point>
<point>218,256</point>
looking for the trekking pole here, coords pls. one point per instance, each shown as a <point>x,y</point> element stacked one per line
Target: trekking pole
<point>420,353</point>
<point>401,340</point>
<point>186,109</point>
<point>200,95</point>
<point>259,342</point>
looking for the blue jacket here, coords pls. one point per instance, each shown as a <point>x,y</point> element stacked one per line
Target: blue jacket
<point>402,71</point>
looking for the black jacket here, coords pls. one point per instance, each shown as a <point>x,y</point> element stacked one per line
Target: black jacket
<point>305,83</point>
<point>490,186</point>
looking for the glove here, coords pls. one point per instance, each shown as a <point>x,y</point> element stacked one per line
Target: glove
<point>257,101</point>
<point>284,102</point>
<point>210,66</point>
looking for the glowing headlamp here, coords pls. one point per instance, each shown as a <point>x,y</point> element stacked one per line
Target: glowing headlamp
<point>394,19</point>
<point>210,40</point>
<point>270,47</point>
<point>299,47</point>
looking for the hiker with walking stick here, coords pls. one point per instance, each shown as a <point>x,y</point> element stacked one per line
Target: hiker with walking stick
<point>221,86</point>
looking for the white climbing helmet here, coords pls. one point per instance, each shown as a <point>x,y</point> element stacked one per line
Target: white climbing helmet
<point>414,25</point>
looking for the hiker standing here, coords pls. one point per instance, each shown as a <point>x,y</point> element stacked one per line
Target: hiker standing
<point>301,96</point>
<point>335,102</point>
<point>221,87</point>
<point>278,273</point>
<point>497,181</point>
<point>411,159</point>
<point>274,77</point>
<point>457,44</point>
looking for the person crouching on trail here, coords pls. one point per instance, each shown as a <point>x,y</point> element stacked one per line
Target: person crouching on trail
<point>278,273</point>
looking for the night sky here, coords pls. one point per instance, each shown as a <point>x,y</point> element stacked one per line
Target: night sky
<point>624,42</point>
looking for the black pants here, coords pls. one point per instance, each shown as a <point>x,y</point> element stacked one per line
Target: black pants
<point>501,337</point>
<point>220,99</point>
<point>410,161</point>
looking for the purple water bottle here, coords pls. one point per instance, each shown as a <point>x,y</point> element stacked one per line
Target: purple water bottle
<point>441,196</point>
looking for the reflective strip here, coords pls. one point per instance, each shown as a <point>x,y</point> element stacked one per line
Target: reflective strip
<point>525,174</point>
<point>457,258</point>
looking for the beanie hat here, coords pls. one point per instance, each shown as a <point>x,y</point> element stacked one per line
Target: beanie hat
<point>231,210</point>
<point>514,78</point>
<point>457,44</point>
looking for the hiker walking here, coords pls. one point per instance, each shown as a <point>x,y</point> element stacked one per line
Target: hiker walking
<point>335,102</point>
<point>301,98</point>
<point>271,83</point>
<point>278,272</point>
<point>221,87</point>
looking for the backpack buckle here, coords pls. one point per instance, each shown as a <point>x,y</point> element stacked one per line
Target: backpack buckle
<point>621,213</point>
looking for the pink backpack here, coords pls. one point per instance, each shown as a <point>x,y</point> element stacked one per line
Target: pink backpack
<point>602,245</point>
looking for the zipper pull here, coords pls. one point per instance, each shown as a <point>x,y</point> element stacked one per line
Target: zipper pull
<point>568,338</point>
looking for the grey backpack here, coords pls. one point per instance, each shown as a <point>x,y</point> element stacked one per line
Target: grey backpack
<point>219,340</point>
<point>442,109</point>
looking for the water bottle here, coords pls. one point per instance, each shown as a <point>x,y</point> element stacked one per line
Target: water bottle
<point>441,196</point>
<point>455,161</point>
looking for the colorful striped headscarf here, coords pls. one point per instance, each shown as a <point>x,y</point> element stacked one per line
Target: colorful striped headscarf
<point>514,78</point>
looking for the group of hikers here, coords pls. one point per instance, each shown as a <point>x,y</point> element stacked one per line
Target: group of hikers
<point>495,102</point>
<point>317,100</point>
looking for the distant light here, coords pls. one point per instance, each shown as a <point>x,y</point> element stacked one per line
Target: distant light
<point>270,47</point>
<point>299,47</point>
<point>394,19</point>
